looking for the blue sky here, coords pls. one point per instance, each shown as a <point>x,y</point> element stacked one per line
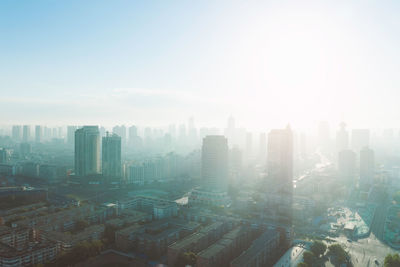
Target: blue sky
<point>157,62</point>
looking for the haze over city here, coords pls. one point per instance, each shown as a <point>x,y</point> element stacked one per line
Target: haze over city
<point>199,134</point>
<point>155,63</point>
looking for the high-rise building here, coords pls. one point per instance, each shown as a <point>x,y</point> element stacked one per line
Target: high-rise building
<point>16,132</point>
<point>26,133</point>
<point>359,139</point>
<point>87,151</point>
<point>111,156</point>
<point>214,162</point>
<point>280,156</point>
<point>323,134</point>
<point>280,172</point>
<point>367,167</point>
<point>121,131</point>
<point>71,134</point>
<point>347,165</point>
<point>342,138</point>
<point>38,133</point>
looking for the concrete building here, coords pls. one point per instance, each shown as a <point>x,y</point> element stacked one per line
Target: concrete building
<point>111,156</point>
<point>347,165</point>
<point>71,135</point>
<point>214,160</point>
<point>26,133</point>
<point>367,167</point>
<point>260,252</point>
<point>87,151</point>
<point>16,132</point>
<point>38,134</point>
<point>280,173</point>
<point>359,139</point>
<point>342,138</point>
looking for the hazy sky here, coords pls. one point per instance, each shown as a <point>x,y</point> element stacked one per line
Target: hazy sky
<point>156,62</point>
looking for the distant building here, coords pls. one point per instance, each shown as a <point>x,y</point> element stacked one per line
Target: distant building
<point>214,163</point>
<point>16,132</point>
<point>111,156</point>
<point>367,167</point>
<point>71,135</point>
<point>280,172</point>
<point>121,131</point>
<point>347,165</point>
<point>359,139</point>
<point>262,147</point>
<point>38,133</point>
<point>260,253</point>
<point>342,138</point>
<point>26,133</point>
<point>5,155</point>
<point>87,151</point>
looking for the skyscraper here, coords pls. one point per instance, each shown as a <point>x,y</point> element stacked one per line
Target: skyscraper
<point>87,151</point>
<point>71,134</point>
<point>280,173</point>
<point>359,139</point>
<point>367,167</point>
<point>121,131</point>
<point>26,133</point>
<point>347,166</point>
<point>111,156</point>
<point>16,132</point>
<point>342,138</point>
<point>214,162</point>
<point>38,133</point>
<point>262,146</point>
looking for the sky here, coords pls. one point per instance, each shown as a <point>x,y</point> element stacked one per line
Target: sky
<point>267,63</point>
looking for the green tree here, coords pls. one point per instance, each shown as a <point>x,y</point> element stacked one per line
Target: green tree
<point>187,258</point>
<point>392,260</point>
<point>336,250</point>
<point>318,248</point>
<point>309,258</point>
<point>303,264</point>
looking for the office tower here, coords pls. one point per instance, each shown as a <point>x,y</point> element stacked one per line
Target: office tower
<point>26,133</point>
<point>87,151</point>
<point>359,139</point>
<point>323,134</point>
<point>214,162</point>
<point>38,133</point>
<point>132,133</point>
<point>347,165</point>
<point>121,131</point>
<point>111,156</point>
<point>280,172</point>
<point>230,131</point>
<point>182,132</point>
<point>192,132</point>
<point>16,132</point>
<point>71,134</point>
<point>342,138</point>
<point>367,167</point>
<point>102,131</point>
<point>280,156</point>
<point>262,147</point>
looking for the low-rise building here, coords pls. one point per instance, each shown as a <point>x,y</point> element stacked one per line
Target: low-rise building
<point>260,252</point>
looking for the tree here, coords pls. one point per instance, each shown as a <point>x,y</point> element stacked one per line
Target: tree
<point>303,264</point>
<point>109,233</point>
<point>318,248</point>
<point>392,260</point>
<point>339,253</point>
<point>309,258</point>
<point>187,258</point>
